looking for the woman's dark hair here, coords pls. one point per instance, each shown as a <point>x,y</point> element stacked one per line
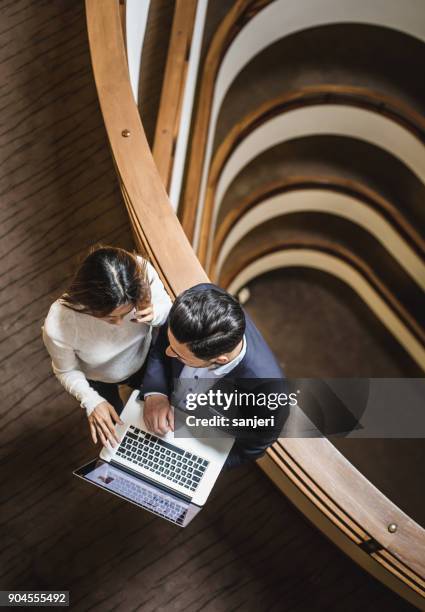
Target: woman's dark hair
<point>107,278</point>
<point>209,321</point>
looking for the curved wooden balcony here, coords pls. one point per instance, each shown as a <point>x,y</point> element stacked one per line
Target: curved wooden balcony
<point>225,47</point>
<point>358,197</point>
<point>308,97</point>
<point>372,57</point>
<point>372,274</point>
<point>321,482</point>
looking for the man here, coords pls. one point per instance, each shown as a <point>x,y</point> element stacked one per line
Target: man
<point>208,335</point>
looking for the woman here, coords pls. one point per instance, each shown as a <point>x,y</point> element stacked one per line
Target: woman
<point>98,333</point>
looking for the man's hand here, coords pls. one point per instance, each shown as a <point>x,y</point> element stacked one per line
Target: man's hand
<point>158,414</point>
<point>101,422</point>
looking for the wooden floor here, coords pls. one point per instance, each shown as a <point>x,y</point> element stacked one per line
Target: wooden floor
<point>249,549</point>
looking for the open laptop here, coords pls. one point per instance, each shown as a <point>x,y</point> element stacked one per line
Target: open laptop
<point>169,476</point>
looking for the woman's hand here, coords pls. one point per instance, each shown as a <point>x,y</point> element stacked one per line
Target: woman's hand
<point>101,422</point>
<point>144,314</point>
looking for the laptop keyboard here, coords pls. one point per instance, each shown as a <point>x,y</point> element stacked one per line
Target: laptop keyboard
<point>162,458</point>
<point>155,502</point>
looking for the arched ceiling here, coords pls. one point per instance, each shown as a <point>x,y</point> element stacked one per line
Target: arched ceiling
<point>331,204</point>
<point>306,257</point>
<point>321,119</point>
<point>331,158</point>
<point>347,54</point>
<point>280,19</point>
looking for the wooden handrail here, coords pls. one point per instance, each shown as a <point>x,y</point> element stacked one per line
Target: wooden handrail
<point>159,232</point>
<point>155,224</point>
<point>331,494</point>
<point>168,120</point>
<point>306,96</point>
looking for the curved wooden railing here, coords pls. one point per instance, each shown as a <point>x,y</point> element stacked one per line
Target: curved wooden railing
<point>173,88</point>
<point>242,256</point>
<point>236,257</point>
<point>333,183</point>
<point>236,19</point>
<point>153,220</point>
<point>312,473</point>
<point>238,261</point>
<point>307,96</point>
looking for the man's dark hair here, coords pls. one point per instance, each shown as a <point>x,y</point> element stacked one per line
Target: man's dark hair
<point>209,321</point>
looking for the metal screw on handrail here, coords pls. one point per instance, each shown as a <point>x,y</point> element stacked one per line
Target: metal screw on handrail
<point>125,133</point>
<point>392,527</point>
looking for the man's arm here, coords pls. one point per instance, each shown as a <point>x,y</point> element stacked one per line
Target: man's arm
<point>156,387</point>
<point>252,443</point>
<point>245,450</point>
<point>157,377</point>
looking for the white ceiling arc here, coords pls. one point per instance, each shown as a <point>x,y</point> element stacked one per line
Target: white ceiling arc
<point>282,18</point>
<point>329,263</point>
<point>325,119</point>
<point>327,201</point>
<point>136,18</point>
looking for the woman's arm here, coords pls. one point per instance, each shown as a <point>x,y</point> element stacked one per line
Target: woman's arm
<point>66,369</point>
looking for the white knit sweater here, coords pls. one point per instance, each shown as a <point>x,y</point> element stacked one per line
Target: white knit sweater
<point>84,347</point>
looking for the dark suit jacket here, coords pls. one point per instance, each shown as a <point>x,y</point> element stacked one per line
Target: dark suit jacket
<point>258,364</point>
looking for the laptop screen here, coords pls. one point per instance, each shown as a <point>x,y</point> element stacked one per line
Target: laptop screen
<point>139,492</point>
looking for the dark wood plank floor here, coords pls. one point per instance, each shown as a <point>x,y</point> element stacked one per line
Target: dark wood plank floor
<point>249,549</point>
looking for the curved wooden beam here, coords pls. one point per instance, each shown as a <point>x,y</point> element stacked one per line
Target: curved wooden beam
<point>334,183</point>
<point>311,476</point>
<point>238,15</point>
<point>273,30</point>
<point>306,96</point>
<point>144,193</point>
<point>158,231</point>
<point>168,120</point>
<point>241,260</point>
<point>285,463</point>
